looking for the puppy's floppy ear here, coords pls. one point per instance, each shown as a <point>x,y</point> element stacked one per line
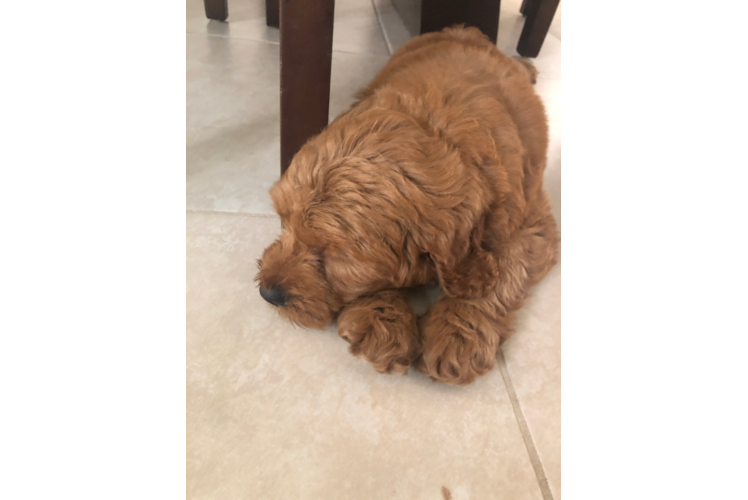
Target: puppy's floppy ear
<point>466,270</point>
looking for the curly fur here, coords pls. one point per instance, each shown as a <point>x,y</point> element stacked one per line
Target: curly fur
<point>434,174</point>
<point>381,328</point>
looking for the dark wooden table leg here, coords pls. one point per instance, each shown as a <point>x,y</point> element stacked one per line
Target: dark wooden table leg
<point>526,7</point>
<point>439,14</point>
<point>536,27</point>
<point>272,13</point>
<point>306,59</point>
<point>217,10</point>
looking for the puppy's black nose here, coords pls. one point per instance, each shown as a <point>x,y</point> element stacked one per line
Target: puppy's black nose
<point>275,295</point>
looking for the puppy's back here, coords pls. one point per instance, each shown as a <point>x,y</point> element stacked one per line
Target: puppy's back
<point>458,85</point>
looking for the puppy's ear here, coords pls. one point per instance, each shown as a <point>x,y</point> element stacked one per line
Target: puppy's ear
<point>466,270</point>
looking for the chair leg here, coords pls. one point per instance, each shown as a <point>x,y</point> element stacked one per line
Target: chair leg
<point>536,27</point>
<point>482,14</point>
<point>217,10</point>
<point>272,13</point>
<point>306,60</point>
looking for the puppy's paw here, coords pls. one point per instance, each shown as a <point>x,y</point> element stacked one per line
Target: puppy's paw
<point>381,329</point>
<point>459,342</point>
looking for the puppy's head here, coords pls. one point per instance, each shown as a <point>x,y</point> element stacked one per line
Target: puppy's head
<point>292,278</point>
<point>371,203</point>
<point>333,248</point>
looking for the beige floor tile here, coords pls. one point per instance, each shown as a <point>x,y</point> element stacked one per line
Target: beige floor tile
<point>533,360</point>
<point>355,27</point>
<point>246,20</point>
<point>233,118</point>
<point>533,354</point>
<point>233,103</point>
<point>394,28</point>
<point>549,91</point>
<point>275,411</point>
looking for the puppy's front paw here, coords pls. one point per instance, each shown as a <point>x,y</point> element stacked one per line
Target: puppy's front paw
<point>459,342</point>
<point>381,329</point>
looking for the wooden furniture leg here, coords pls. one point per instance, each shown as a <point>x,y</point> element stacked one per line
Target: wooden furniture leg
<point>217,10</point>
<point>538,22</point>
<point>306,59</point>
<point>272,13</point>
<point>439,14</point>
<point>526,7</point>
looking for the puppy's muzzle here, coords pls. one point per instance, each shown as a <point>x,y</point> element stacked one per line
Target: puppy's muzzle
<point>275,295</point>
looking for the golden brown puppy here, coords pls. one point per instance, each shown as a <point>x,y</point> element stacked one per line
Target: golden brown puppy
<point>435,174</point>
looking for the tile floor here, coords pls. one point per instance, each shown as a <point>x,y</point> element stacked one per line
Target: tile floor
<point>280,412</point>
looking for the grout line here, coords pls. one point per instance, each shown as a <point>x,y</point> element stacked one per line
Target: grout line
<point>244,214</point>
<point>387,41</point>
<point>369,54</point>
<point>269,42</point>
<point>537,465</point>
<point>233,37</point>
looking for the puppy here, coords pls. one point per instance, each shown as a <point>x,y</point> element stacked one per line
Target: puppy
<point>435,174</point>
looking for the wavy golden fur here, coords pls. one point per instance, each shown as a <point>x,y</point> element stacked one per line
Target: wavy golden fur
<point>436,173</point>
